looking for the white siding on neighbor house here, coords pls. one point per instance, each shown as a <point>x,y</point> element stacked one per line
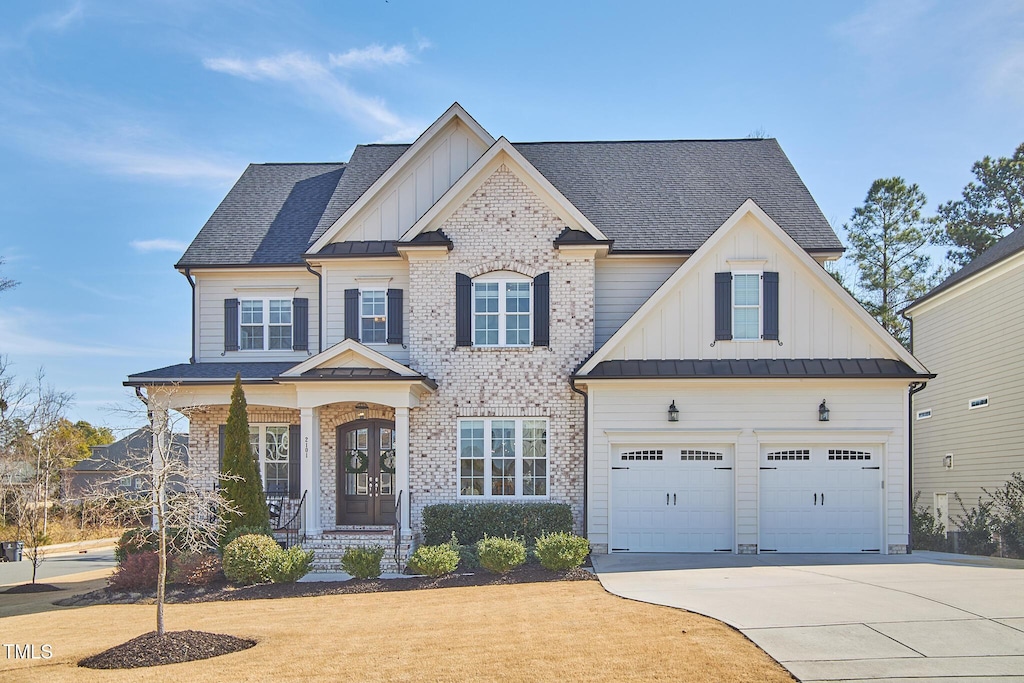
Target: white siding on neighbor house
<point>416,187</point>
<point>813,322</point>
<point>343,274</point>
<point>974,342</point>
<point>212,288</point>
<point>750,414</point>
<point>623,285</point>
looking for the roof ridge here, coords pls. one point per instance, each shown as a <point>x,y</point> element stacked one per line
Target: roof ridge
<point>617,142</point>
<point>300,163</point>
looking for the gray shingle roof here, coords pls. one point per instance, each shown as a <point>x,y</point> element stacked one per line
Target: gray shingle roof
<point>113,457</point>
<point>804,368</point>
<point>1001,250</point>
<point>209,372</point>
<point>646,196</point>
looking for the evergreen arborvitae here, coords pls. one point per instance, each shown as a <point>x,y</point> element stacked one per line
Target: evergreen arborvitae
<point>242,485</point>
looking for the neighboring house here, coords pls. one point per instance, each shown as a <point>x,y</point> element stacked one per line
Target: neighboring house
<point>968,428</point>
<point>118,468</point>
<point>642,330</point>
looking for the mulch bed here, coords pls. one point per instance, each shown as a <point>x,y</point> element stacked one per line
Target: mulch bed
<point>32,588</point>
<point>173,647</point>
<point>529,573</point>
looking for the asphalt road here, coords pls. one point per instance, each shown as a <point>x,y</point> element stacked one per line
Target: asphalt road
<point>12,573</point>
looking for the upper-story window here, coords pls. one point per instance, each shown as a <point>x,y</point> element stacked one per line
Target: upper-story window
<point>746,306</point>
<point>373,316</point>
<point>265,324</point>
<point>502,310</point>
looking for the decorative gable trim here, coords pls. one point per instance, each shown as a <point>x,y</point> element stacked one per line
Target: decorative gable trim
<point>812,266</point>
<point>454,112</point>
<point>501,152</point>
<point>373,359</point>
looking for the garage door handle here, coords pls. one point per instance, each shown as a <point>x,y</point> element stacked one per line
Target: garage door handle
<point>673,499</point>
<point>666,499</point>
<point>823,499</point>
<point>815,498</point>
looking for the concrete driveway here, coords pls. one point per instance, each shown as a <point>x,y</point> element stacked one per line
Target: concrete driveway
<point>848,617</point>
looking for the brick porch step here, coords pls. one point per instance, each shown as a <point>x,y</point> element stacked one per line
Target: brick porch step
<point>329,546</point>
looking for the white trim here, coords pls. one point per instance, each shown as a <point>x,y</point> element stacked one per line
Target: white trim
<point>975,403</point>
<point>454,112</point>
<point>519,457</point>
<point>265,323</point>
<point>374,358</point>
<point>759,335</point>
<point>500,152</point>
<point>750,207</point>
<point>363,316</point>
<point>503,277</point>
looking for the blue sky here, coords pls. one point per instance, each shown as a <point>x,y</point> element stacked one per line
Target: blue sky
<point>122,125</point>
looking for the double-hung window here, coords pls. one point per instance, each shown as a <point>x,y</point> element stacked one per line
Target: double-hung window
<point>503,457</point>
<point>265,324</point>
<point>270,447</point>
<point>502,310</point>
<point>746,306</point>
<point>373,318</point>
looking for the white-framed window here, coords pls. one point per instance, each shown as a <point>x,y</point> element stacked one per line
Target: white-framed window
<point>980,402</point>
<point>746,306</point>
<point>924,414</point>
<point>503,457</point>
<point>265,325</point>
<point>502,310</point>
<point>373,316</point>
<point>269,443</point>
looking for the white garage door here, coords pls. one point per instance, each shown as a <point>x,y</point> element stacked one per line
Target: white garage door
<point>821,499</point>
<point>672,499</point>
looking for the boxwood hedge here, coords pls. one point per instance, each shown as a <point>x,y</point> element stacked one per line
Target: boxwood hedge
<point>470,522</point>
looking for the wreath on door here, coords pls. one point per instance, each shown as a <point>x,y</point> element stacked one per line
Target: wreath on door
<point>387,462</point>
<point>356,461</point>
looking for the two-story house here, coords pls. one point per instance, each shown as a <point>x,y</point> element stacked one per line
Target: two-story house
<point>642,330</point>
<point>967,424</point>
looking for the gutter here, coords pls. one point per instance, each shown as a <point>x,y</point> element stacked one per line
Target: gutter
<point>192,283</point>
<point>319,308</point>
<point>914,388</point>
<point>586,448</point>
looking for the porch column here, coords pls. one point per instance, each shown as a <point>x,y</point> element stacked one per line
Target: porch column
<point>309,429</point>
<point>402,463</point>
<point>158,423</point>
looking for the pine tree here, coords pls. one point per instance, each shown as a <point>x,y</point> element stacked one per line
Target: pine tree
<point>888,235</point>
<point>243,486</point>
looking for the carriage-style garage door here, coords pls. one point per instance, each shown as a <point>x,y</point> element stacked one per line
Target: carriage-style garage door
<point>820,499</point>
<point>672,499</point>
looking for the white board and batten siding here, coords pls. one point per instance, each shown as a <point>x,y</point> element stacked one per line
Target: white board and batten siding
<point>342,274</point>
<point>419,184</point>
<point>213,287</point>
<point>622,285</point>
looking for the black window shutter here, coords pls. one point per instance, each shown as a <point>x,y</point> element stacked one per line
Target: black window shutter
<point>294,462</point>
<point>463,310</point>
<point>230,324</point>
<point>723,306</point>
<point>220,454</point>
<point>771,306</point>
<point>352,314</point>
<point>541,309</point>
<point>300,324</point>
<point>394,316</point>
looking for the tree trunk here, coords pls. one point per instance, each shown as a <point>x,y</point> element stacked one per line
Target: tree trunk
<point>162,574</point>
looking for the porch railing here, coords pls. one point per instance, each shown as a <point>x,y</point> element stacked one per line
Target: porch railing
<point>293,531</point>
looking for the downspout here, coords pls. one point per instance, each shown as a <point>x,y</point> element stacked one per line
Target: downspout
<point>319,308</point>
<point>192,284</point>
<point>586,448</point>
<point>914,388</point>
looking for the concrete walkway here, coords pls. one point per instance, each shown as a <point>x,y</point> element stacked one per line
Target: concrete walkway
<point>848,617</point>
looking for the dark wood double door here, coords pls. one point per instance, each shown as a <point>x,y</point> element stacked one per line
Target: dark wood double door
<point>366,472</point>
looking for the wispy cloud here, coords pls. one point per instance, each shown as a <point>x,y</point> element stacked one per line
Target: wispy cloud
<point>158,244</point>
<point>24,332</point>
<point>103,293</point>
<point>374,55</point>
<point>882,23</point>
<point>315,79</point>
<point>57,21</point>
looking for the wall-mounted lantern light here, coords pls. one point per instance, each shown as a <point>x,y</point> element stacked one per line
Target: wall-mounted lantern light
<point>823,412</point>
<point>362,408</point>
<point>673,412</point>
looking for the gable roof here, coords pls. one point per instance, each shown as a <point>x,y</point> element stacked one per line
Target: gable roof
<point>1000,251</point>
<point>112,457</point>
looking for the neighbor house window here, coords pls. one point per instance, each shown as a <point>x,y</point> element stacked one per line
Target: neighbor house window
<point>924,414</point>
<point>265,324</point>
<point>503,457</point>
<point>978,403</point>
<point>746,306</point>
<point>373,318</point>
<point>502,304</point>
<point>270,447</point>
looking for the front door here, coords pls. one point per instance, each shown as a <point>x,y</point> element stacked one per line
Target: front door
<point>366,472</point>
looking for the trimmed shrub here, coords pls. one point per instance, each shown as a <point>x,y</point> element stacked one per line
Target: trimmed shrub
<point>197,569</point>
<point>139,571</point>
<point>142,539</point>
<point>975,534</point>
<point>500,555</point>
<point>471,522</point>
<point>243,531</point>
<point>561,551</point>
<point>250,559</point>
<point>434,560</point>
<point>288,566</point>
<point>928,532</point>
<point>362,563</point>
